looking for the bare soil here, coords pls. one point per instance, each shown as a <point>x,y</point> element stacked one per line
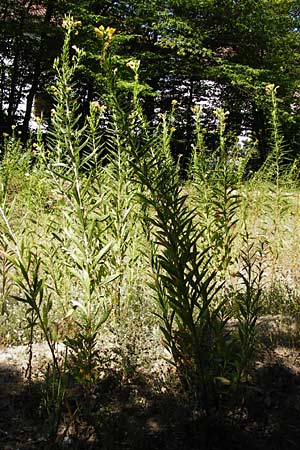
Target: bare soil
<point>147,410</point>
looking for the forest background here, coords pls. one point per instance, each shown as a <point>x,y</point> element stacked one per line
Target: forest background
<point>217,53</point>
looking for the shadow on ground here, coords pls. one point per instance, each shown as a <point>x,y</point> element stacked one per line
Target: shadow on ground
<point>137,414</point>
<point>19,410</point>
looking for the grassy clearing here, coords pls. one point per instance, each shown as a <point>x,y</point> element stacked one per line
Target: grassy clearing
<point>102,241</point>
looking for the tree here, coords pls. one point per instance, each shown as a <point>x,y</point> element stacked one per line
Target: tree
<point>240,45</point>
<point>218,52</point>
<point>27,51</point>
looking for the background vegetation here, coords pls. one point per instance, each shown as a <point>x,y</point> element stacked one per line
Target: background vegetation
<point>226,51</point>
<point>108,249</point>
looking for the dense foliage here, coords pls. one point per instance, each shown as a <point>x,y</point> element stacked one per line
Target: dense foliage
<point>99,231</point>
<point>218,53</point>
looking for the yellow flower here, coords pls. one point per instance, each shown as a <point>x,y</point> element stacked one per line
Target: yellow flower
<point>270,88</point>
<point>99,31</point>
<point>110,31</point>
<point>65,23</point>
<point>133,65</point>
<point>105,34</point>
<point>196,109</point>
<point>95,104</point>
<point>69,22</point>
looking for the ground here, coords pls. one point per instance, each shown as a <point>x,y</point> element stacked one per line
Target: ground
<point>145,412</point>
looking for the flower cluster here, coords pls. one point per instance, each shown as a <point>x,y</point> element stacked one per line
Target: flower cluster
<point>134,65</point>
<point>69,22</point>
<point>105,33</point>
<point>271,88</point>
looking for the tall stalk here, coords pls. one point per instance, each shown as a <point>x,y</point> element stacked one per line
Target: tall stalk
<point>80,228</point>
<point>185,286</point>
<point>216,180</point>
<point>272,177</point>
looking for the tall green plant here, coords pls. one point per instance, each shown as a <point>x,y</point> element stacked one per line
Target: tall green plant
<point>123,216</point>
<point>31,287</point>
<point>216,178</point>
<point>249,303</point>
<point>80,228</point>
<point>272,181</point>
<point>185,286</point>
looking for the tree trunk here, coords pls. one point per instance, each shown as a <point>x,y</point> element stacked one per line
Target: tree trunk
<point>14,91</point>
<point>260,130</point>
<point>37,70</point>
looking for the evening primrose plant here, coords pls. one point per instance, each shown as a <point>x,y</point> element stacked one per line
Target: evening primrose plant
<point>80,230</point>
<point>184,283</point>
<point>216,194</point>
<point>272,181</point>
<point>76,235</point>
<point>117,235</point>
